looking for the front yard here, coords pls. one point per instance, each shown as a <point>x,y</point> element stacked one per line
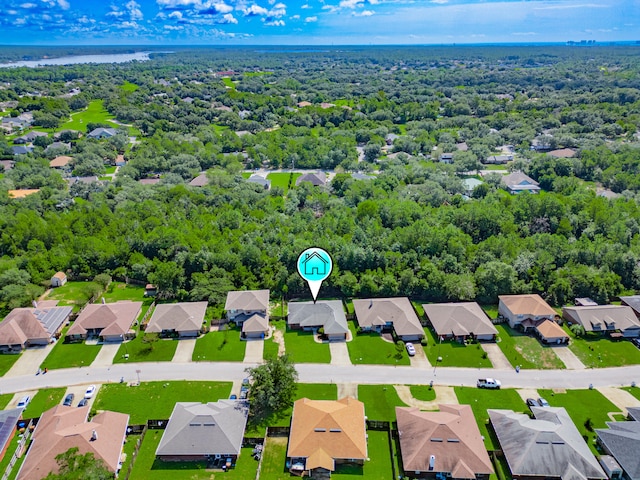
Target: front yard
<point>380,402</point>
<point>6,362</point>
<point>482,400</point>
<point>69,355</point>
<point>455,354</point>
<point>597,351</point>
<point>370,348</point>
<point>155,400</point>
<point>42,401</point>
<point>526,350</point>
<point>583,405</point>
<point>220,346</point>
<point>302,347</point>
<point>161,350</point>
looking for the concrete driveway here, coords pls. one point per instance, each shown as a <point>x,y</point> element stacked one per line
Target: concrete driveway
<point>106,355</point>
<point>339,353</point>
<point>254,350</point>
<point>78,391</point>
<point>184,350</point>
<point>498,359</point>
<point>29,361</point>
<point>419,360</point>
<point>568,357</point>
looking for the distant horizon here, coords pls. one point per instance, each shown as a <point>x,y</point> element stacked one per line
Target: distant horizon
<point>316,22</point>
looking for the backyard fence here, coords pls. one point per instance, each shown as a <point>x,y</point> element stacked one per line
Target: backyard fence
<point>278,431</point>
<point>378,425</point>
<point>135,429</point>
<point>252,441</point>
<point>157,424</point>
<point>16,455</point>
<point>134,454</point>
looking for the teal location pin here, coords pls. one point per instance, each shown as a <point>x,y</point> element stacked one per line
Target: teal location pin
<point>314,266</point>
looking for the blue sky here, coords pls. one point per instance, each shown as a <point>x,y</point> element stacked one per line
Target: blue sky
<point>309,22</point>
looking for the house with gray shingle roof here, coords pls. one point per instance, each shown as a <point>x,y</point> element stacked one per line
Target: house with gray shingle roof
<point>604,318</point>
<point>548,446</point>
<point>249,308</point>
<point>622,441</point>
<point>518,182</point>
<point>460,321</point>
<point>260,180</point>
<point>182,319</point>
<point>204,432</point>
<point>326,314</point>
<point>99,133</point>
<point>378,314</point>
<point>316,179</point>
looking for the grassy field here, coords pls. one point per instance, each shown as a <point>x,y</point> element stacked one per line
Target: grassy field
<point>582,405</point>
<point>302,348</point>
<point>155,400</point>
<point>69,355</point>
<point>635,391</point>
<point>597,351</point>
<point>94,113</point>
<point>119,291</point>
<point>129,87</point>
<point>370,348</point>
<point>455,354</point>
<point>274,457</point>
<point>45,399</point>
<point>161,351</point>
<point>228,82</point>
<point>222,346</point>
<point>282,180</point>
<point>380,401</point>
<point>525,350</point>
<point>4,400</point>
<point>423,392</point>
<point>75,294</point>
<point>6,362</point>
<point>481,400</point>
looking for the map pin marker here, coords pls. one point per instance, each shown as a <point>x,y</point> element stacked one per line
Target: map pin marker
<point>314,266</point>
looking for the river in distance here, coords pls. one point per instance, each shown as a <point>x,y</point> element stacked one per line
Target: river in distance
<point>76,59</point>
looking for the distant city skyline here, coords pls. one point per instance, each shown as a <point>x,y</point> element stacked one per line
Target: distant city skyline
<point>315,22</point>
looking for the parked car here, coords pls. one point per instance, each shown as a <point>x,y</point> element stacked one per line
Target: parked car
<point>636,342</point>
<point>489,383</point>
<point>532,402</point>
<point>24,401</point>
<point>68,400</point>
<point>411,350</point>
<point>90,391</point>
<point>543,402</point>
<point>233,397</point>
<point>83,402</point>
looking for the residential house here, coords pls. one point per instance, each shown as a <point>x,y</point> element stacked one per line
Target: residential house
<point>584,302</point>
<point>8,422</point>
<point>460,321</point>
<point>211,432</point>
<point>85,180</point>
<point>444,444</point>
<point>182,319</point>
<point>260,180</point>
<point>59,279</point>
<point>110,321</point>
<point>379,314</point>
<point>498,159</point>
<point>518,182</point>
<point>326,314</point>
<point>62,428</point>
<point>6,165</point>
<point>200,181</point>
<point>21,193</point>
<point>71,133</point>
<point>632,301</point>
<point>250,309</point>
<point>21,149</point>
<point>27,327</point>
<point>15,123</point>
<point>548,446</point>
<point>446,157</point>
<point>304,104</point>
<point>60,161</point>
<point>463,147</point>
<point>29,137</point>
<point>316,179</point>
<point>604,318</point>
<point>562,153</point>
<point>550,332</point>
<point>518,308</point>
<point>100,133</point>
<point>622,441</point>
<point>470,185</point>
<point>325,434</point>
<point>58,145</point>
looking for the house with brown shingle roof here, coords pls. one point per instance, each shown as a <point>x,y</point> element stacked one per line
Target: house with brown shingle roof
<point>550,332</point>
<point>25,327</point>
<point>460,321</point>
<point>562,153</point>
<point>518,308</point>
<point>379,314</point>
<point>444,444</point>
<point>326,433</point>
<point>62,428</point>
<point>109,321</point>
<point>182,319</point>
<point>60,161</point>
<point>249,308</point>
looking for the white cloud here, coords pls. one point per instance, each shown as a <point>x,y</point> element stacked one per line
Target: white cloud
<point>64,4</point>
<point>306,5</point>
<point>311,19</point>
<point>173,27</point>
<point>125,25</point>
<point>254,10</point>
<point>28,5</point>
<point>134,10</point>
<point>524,34</point>
<point>295,17</point>
<point>176,14</point>
<point>220,7</point>
<point>228,18</point>
<point>364,13</point>
<point>440,2</point>
<point>575,5</point>
<point>275,23</point>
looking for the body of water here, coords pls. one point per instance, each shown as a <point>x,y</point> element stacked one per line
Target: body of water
<point>76,59</point>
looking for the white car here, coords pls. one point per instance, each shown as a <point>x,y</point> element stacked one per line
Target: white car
<point>411,350</point>
<point>90,391</point>
<point>24,401</point>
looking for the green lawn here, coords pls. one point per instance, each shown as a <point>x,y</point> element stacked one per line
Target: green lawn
<point>490,310</point>
<point>228,82</point>
<point>94,113</point>
<point>128,448</point>
<point>379,465</point>
<point>635,391</point>
<point>274,458</point>
<point>155,400</point>
<point>270,346</point>
<point>75,294</point>
<point>582,405</point>
<point>455,354</point>
<point>129,87</point>
<point>302,348</point>
<point>526,350</point>
<point>68,355</point>
<point>42,401</point>
<point>160,351</point>
<point>600,351</point>
<point>4,400</point>
<point>6,362</point>
<point>481,400</point>
<point>423,392</point>
<point>380,401</point>
<point>370,348</point>
<point>222,346</point>
<point>282,180</point>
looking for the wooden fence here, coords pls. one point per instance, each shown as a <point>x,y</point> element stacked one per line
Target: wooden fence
<point>135,452</point>
<point>16,455</point>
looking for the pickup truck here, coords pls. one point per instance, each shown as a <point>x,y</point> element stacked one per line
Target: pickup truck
<point>488,383</point>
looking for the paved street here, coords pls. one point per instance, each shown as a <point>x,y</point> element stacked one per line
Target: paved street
<point>325,373</point>
<point>29,361</point>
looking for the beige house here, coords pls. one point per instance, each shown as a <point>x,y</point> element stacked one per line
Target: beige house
<point>460,321</point>
<point>62,428</point>
<point>326,433</point>
<point>518,308</point>
<point>444,444</point>
<point>26,327</point>
<point>181,319</point>
<point>110,321</point>
<point>250,309</point>
<point>380,314</point>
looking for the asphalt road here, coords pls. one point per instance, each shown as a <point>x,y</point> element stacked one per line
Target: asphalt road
<point>325,373</point>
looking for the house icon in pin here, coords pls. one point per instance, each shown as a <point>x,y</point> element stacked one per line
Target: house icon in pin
<point>314,264</point>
